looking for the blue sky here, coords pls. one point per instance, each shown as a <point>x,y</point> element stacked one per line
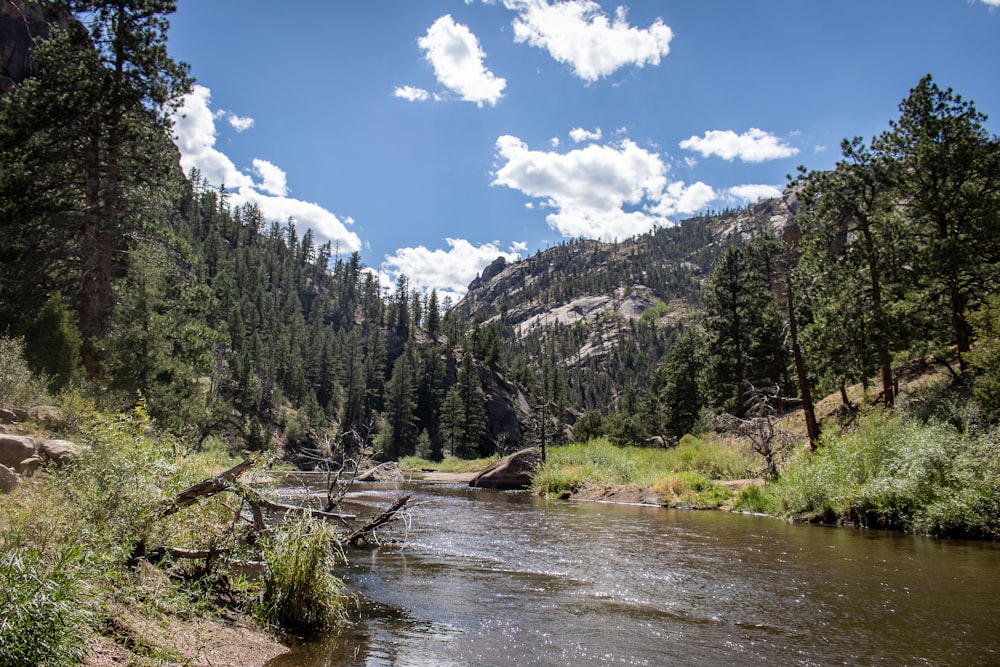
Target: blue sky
<point>434,135</point>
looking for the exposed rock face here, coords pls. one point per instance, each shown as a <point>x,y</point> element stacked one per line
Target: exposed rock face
<point>507,409</point>
<point>20,23</point>
<point>8,479</point>
<point>384,473</point>
<point>509,473</point>
<point>61,452</point>
<point>17,452</point>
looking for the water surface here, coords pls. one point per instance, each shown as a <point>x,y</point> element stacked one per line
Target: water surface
<point>490,578</point>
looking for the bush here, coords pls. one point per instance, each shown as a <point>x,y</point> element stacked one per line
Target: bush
<point>300,590</point>
<point>42,621</point>
<point>18,386</point>
<point>899,474</point>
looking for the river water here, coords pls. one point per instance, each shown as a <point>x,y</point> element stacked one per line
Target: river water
<point>492,578</point>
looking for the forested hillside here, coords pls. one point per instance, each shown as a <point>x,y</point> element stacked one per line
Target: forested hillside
<point>125,277</point>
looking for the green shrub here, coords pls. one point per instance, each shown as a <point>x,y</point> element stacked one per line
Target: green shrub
<point>900,474</point>
<point>18,387</point>
<point>752,498</point>
<point>300,590</point>
<point>42,621</point>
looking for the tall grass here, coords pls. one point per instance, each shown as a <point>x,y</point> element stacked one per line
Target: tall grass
<point>448,464</point>
<point>895,473</point>
<point>680,474</point>
<point>300,589</point>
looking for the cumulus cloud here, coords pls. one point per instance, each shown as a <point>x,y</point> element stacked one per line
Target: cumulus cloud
<point>195,134</point>
<point>754,145</point>
<point>448,271</point>
<point>599,192</point>
<point>578,134</point>
<point>273,178</point>
<point>753,192</point>
<point>454,52</point>
<point>240,124</point>
<point>578,33</point>
<point>411,93</point>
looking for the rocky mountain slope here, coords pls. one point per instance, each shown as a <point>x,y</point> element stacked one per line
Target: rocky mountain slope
<point>604,314</point>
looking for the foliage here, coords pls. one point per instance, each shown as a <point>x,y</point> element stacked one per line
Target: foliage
<point>690,489</point>
<point>119,485</point>
<point>896,473</point>
<point>447,464</point>
<point>985,357</point>
<point>599,462</point>
<point>300,590</point>
<point>18,386</point>
<point>42,622</point>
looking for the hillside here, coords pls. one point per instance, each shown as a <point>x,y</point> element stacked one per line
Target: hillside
<point>605,314</point>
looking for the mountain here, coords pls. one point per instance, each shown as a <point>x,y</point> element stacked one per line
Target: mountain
<point>605,314</point>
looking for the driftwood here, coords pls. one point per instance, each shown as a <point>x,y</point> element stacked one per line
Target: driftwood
<point>368,530</point>
<point>226,481</point>
<point>207,488</point>
<point>257,501</point>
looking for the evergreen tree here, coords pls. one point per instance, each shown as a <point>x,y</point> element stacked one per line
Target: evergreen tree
<point>947,177</point>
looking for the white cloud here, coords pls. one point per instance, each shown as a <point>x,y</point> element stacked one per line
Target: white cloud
<point>991,3</point>
<point>755,145</point>
<point>457,59</point>
<point>448,271</point>
<point>577,33</point>
<point>753,192</point>
<point>240,124</point>
<point>579,134</point>
<point>411,93</point>
<point>598,192</point>
<point>194,130</point>
<point>195,134</point>
<point>274,180</point>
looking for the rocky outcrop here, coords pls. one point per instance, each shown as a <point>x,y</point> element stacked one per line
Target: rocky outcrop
<point>509,473</point>
<point>17,452</point>
<point>20,23</point>
<point>507,410</point>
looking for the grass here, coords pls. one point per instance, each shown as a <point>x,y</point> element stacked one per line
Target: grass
<point>300,590</point>
<point>449,464</point>
<point>896,473</point>
<point>682,475</point>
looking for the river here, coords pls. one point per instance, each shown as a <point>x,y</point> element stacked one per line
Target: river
<point>491,578</point>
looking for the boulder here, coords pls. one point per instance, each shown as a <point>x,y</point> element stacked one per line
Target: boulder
<point>509,473</point>
<point>384,473</point>
<point>8,416</point>
<point>49,415</point>
<point>8,479</point>
<point>61,452</point>
<point>15,451</point>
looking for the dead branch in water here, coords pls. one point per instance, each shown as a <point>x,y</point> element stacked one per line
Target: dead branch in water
<point>389,515</point>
